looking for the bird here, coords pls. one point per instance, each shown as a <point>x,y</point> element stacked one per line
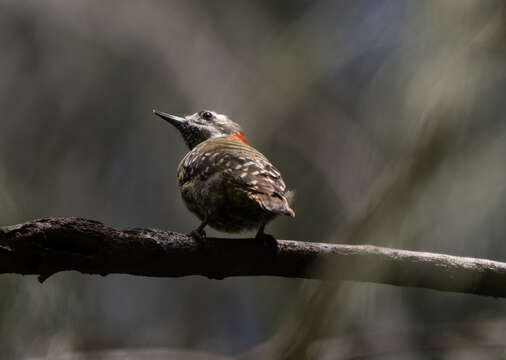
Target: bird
<point>225,182</point>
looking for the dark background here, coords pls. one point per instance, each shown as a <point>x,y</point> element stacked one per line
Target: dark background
<point>386,117</point>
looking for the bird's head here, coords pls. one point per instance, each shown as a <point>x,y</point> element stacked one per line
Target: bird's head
<point>202,126</point>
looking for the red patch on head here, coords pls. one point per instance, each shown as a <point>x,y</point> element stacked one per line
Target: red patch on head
<point>240,136</point>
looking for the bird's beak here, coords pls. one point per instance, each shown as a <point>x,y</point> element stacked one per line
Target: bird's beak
<point>171,119</point>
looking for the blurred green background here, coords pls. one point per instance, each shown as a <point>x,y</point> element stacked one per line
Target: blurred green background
<point>386,117</point>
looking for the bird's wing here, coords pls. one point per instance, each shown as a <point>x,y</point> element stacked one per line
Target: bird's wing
<point>248,168</point>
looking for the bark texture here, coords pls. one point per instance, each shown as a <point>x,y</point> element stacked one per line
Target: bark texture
<point>46,246</point>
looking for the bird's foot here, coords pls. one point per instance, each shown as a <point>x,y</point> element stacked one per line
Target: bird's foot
<point>268,240</point>
<point>199,235</point>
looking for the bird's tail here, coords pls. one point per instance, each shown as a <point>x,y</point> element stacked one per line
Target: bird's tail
<point>275,203</point>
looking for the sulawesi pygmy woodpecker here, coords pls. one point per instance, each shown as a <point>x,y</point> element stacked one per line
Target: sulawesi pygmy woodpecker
<point>228,184</point>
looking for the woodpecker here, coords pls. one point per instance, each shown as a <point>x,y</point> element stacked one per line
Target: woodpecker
<point>228,184</point>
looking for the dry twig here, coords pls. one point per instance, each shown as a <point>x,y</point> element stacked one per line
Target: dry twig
<point>47,246</point>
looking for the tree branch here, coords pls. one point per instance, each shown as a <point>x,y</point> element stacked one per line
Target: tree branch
<point>47,246</point>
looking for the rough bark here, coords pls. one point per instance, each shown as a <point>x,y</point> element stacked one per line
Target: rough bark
<point>46,246</point>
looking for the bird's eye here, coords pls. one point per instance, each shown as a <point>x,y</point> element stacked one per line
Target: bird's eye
<point>207,115</point>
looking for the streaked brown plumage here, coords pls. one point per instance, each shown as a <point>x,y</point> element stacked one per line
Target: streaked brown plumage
<point>228,184</point>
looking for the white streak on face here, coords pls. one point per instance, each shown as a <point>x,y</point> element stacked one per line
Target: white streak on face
<point>220,118</point>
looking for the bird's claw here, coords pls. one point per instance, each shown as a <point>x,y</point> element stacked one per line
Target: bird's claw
<point>198,235</point>
<point>268,240</point>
